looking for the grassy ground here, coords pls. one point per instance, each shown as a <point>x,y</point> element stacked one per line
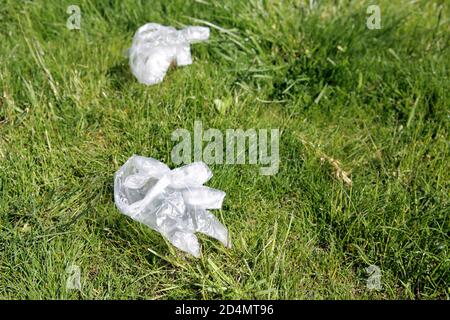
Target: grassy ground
<point>377,101</point>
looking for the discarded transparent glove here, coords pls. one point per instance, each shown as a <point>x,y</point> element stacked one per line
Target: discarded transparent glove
<point>172,202</point>
<point>156,47</point>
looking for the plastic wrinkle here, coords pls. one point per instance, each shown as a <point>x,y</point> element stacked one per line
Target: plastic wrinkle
<point>172,202</point>
<point>156,47</point>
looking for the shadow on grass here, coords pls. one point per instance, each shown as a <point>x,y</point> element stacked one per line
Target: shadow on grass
<point>120,76</point>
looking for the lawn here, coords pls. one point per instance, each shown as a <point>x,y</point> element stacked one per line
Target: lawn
<point>364,149</point>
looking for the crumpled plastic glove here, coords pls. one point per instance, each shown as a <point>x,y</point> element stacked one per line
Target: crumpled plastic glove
<point>156,47</point>
<point>172,202</point>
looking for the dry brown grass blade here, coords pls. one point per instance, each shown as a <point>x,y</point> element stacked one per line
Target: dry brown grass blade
<point>339,173</point>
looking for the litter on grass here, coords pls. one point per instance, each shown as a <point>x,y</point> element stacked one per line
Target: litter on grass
<point>156,47</point>
<point>172,202</point>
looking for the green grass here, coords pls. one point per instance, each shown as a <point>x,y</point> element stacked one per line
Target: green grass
<point>71,114</point>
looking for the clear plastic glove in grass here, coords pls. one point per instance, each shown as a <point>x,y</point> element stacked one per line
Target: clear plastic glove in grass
<point>156,47</point>
<point>172,202</point>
